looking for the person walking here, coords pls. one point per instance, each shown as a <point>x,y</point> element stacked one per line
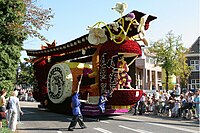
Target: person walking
<point>102,102</point>
<point>13,111</point>
<point>76,104</point>
<point>2,106</point>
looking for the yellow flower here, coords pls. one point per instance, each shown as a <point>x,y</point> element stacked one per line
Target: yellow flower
<point>97,36</point>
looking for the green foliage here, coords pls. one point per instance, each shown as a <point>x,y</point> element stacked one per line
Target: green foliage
<point>4,129</point>
<point>182,70</point>
<point>26,75</point>
<point>11,40</point>
<point>18,20</point>
<point>168,52</point>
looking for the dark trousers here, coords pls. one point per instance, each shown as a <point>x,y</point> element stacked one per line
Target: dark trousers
<point>74,121</point>
<point>135,108</point>
<point>101,114</point>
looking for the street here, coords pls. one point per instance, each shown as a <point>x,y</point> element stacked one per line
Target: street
<point>42,121</point>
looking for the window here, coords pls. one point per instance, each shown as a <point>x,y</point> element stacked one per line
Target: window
<point>195,83</point>
<point>195,65</point>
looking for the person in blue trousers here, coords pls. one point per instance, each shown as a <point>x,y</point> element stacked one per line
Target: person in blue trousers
<point>102,103</point>
<point>76,104</point>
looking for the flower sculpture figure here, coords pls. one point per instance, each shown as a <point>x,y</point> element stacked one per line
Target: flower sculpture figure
<point>120,7</point>
<point>97,36</point>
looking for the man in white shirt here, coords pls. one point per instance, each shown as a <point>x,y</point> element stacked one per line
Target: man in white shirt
<point>178,90</point>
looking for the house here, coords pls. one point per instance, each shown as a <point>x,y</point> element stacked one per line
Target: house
<point>193,60</point>
<point>148,75</point>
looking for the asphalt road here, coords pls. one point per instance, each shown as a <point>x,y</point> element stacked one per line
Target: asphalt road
<point>41,121</point>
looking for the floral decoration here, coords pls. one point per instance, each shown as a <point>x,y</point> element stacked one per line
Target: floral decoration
<point>97,36</point>
<point>116,31</point>
<point>130,17</point>
<point>114,26</point>
<point>120,7</point>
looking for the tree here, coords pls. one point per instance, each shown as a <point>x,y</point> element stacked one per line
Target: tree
<point>25,75</point>
<point>36,19</point>
<point>182,69</point>
<point>18,20</point>
<point>11,40</point>
<point>167,51</point>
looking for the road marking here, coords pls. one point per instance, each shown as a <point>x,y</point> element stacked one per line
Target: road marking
<point>102,130</point>
<point>136,130</point>
<point>93,119</point>
<point>105,121</point>
<point>59,132</point>
<point>162,125</point>
<point>173,127</point>
<point>144,131</point>
<point>28,112</point>
<point>69,119</point>
<point>130,118</point>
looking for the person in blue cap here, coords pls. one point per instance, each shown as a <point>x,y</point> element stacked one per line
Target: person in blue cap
<point>76,104</point>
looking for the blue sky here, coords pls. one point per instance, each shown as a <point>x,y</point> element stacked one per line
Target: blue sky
<point>73,17</point>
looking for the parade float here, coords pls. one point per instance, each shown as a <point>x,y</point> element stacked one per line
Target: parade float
<point>105,57</point>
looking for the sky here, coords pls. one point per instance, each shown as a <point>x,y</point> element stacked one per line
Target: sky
<point>72,17</point>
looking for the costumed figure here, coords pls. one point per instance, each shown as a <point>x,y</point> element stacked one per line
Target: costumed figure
<point>124,80</point>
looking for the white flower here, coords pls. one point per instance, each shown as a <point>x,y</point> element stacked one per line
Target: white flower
<point>96,36</point>
<point>114,26</point>
<point>120,7</point>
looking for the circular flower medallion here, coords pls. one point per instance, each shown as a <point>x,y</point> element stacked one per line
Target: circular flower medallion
<point>59,83</point>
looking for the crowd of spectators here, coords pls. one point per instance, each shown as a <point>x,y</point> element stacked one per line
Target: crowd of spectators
<point>25,95</point>
<point>171,104</point>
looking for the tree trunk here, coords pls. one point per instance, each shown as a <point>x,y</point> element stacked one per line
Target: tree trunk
<point>167,80</point>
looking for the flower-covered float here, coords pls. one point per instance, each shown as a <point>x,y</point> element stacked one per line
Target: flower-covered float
<point>105,57</point>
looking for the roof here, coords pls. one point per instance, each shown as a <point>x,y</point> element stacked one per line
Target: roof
<point>74,48</point>
<point>194,49</point>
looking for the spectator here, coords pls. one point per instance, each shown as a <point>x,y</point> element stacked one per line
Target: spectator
<point>175,109</point>
<point>190,100</point>
<point>149,104</point>
<point>157,95</point>
<point>177,90</point>
<point>166,102</point>
<point>2,106</point>
<point>13,111</point>
<point>141,106</point>
<point>26,96</point>
<point>184,106</point>
<point>197,104</point>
